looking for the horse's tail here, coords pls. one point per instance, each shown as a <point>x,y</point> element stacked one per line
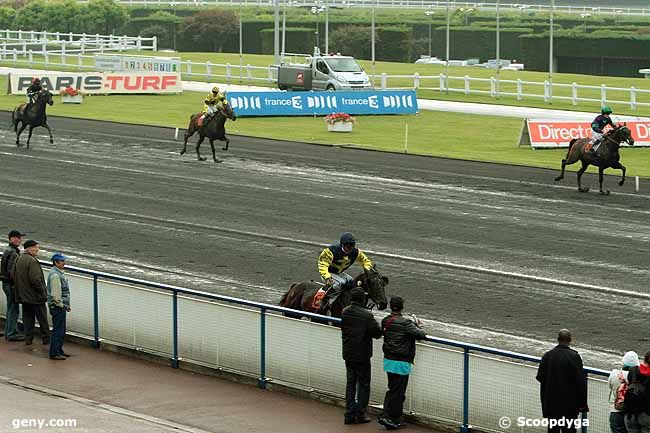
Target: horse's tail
<point>288,297</point>
<point>571,143</point>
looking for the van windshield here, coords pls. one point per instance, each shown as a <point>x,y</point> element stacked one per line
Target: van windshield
<point>344,64</point>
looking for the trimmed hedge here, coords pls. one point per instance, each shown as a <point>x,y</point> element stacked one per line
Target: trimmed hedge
<point>478,42</point>
<point>297,40</point>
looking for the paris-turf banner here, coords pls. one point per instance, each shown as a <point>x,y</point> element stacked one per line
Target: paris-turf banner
<point>322,103</point>
<point>553,134</point>
<point>100,82</point>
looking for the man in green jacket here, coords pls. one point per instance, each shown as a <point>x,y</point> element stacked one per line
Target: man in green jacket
<point>31,292</point>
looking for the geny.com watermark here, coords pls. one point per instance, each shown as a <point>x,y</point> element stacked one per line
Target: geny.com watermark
<point>41,423</point>
<point>505,422</point>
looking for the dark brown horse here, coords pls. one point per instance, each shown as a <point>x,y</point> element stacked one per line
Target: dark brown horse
<point>300,296</point>
<point>33,116</point>
<point>213,128</point>
<point>605,157</point>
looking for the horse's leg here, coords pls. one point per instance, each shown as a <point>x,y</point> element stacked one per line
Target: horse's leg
<point>617,165</point>
<point>190,132</point>
<point>582,170</point>
<point>29,137</point>
<point>198,144</point>
<point>214,152</point>
<point>601,171</point>
<point>50,131</point>
<point>23,125</point>
<point>227,142</point>
<point>561,176</point>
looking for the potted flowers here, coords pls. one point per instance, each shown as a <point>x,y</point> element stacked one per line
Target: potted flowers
<point>70,95</point>
<point>339,122</point>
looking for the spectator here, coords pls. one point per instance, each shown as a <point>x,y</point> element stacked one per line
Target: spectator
<point>9,257</point>
<point>400,334</point>
<point>358,328</point>
<point>58,299</point>
<point>616,379</point>
<point>563,384</point>
<point>31,291</point>
<point>637,419</point>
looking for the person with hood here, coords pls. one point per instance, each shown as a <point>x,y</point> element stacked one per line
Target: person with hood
<point>637,419</point>
<point>563,384</point>
<point>617,378</point>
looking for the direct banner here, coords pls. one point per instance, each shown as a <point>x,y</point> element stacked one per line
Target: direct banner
<point>322,103</point>
<point>100,82</point>
<point>552,134</point>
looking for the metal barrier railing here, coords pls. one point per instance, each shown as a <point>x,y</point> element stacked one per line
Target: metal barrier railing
<point>105,293</point>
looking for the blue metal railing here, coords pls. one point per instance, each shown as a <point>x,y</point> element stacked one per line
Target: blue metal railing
<point>467,348</point>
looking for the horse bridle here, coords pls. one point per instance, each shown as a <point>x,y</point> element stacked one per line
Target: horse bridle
<point>607,137</point>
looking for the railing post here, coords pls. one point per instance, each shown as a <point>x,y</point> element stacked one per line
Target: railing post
<point>520,89</point>
<point>546,90</point>
<point>63,52</point>
<point>261,381</point>
<point>442,82</point>
<point>603,94</point>
<point>70,37</point>
<point>633,98</point>
<point>229,72</point>
<point>83,44</point>
<point>271,79</point>
<point>574,93</point>
<point>95,342</point>
<point>155,44</point>
<point>175,329</point>
<point>416,81</point>
<point>138,43</point>
<point>493,87</point>
<point>46,56</point>
<point>189,67</point>
<point>467,84</point>
<point>208,70</point>
<point>15,53</point>
<point>79,60</point>
<point>583,415</point>
<point>384,81</point>
<point>249,72</point>
<point>464,428</point>
<point>30,57</point>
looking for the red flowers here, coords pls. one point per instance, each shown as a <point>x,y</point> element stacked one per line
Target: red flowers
<point>339,117</point>
<point>69,91</point>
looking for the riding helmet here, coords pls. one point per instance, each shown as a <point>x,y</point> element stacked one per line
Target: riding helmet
<point>606,110</point>
<point>347,238</point>
<point>215,89</point>
<point>36,80</point>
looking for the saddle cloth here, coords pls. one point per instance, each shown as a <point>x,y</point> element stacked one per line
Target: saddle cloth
<point>318,297</point>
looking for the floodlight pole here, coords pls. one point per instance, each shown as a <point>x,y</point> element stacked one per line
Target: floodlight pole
<point>447,51</point>
<point>327,27</point>
<point>372,29</point>
<point>498,49</point>
<point>550,54</point>
<point>276,32</point>
<point>241,48</point>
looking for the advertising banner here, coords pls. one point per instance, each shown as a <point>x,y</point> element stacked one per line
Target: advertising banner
<point>557,134</point>
<point>322,103</point>
<point>118,62</point>
<point>100,82</point>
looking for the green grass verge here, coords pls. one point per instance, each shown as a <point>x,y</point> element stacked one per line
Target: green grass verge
<point>427,85</point>
<point>453,135</point>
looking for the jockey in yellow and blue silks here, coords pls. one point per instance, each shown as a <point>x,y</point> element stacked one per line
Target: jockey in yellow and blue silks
<point>334,260</point>
<point>214,102</point>
<point>598,125</point>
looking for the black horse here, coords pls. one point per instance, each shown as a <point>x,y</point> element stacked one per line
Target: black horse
<point>300,296</point>
<point>214,129</point>
<point>33,115</point>
<point>605,157</point>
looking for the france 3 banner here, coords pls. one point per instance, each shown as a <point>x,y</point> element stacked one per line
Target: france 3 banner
<point>552,134</point>
<point>322,103</point>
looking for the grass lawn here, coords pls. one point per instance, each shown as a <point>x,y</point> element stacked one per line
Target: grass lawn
<point>427,85</point>
<point>463,136</point>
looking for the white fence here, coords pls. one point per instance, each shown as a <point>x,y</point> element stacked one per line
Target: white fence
<point>400,4</point>
<point>456,383</point>
<point>24,42</point>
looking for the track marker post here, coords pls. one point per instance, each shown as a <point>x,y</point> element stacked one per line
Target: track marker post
<point>636,183</point>
<point>176,134</point>
<point>406,138</point>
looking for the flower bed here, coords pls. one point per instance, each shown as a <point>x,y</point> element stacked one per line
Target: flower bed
<point>71,95</point>
<point>339,122</point>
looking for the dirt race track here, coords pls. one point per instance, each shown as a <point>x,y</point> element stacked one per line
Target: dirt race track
<point>120,199</point>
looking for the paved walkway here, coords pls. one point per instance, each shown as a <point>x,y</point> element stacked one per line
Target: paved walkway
<point>107,392</point>
<point>423,104</point>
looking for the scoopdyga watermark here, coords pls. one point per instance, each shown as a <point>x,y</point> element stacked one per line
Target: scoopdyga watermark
<point>505,422</point>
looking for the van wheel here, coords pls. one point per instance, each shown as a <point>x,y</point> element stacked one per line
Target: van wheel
<point>330,88</point>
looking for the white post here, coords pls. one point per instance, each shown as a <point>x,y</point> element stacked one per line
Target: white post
<point>406,138</point>
<point>189,67</point>
<point>548,94</point>
<point>208,69</point>
<point>44,48</point>
<point>384,79</point>
<point>271,80</point>
<point>276,32</point>
<point>493,87</point>
<point>327,27</point>
<point>154,43</point>
<point>4,49</point>
<point>636,183</point>
<point>372,41</point>
<point>62,52</point>
<point>498,51</point>
<point>31,57</point>
<point>416,81</point>
<point>79,61</point>
<point>249,72</point>
<point>228,71</point>
<point>546,90</point>
<point>520,89</point>
<point>574,93</point>
<point>20,34</point>
<point>603,94</point>
<point>15,55</point>
<point>46,55</point>
<point>138,43</point>
<point>83,44</point>
<point>447,45</point>
<point>442,82</point>
<point>70,37</point>
<point>24,48</point>
<point>467,85</point>
<point>176,134</point>
<point>633,98</point>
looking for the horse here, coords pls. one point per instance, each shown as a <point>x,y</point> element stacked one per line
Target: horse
<point>34,116</point>
<point>300,296</point>
<point>214,129</point>
<point>605,157</point>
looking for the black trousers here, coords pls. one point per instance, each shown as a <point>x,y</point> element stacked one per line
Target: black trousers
<point>32,312</point>
<point>395,396</point>
<point>357,389</point>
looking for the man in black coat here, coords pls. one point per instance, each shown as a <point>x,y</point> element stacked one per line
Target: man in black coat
<point>9,257</point>
<point>358,328</point>
<point>563,384</point>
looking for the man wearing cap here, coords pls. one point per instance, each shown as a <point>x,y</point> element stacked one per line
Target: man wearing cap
<point>58,299</point>
<point>9,257</point>
<point>31,291</point>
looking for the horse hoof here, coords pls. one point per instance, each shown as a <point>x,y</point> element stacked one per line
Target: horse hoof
<point>559,178</point>
<point>183,152</point>
<point>202,159</point>
<point>620,183</point>
<point>604,192</point>
<point>585,189</point>
<point>217,161</point>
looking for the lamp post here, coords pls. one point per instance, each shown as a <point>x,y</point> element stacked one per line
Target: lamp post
<point>550,53</point>
<point>585,16</point>
<point>276,32</point>
<point>316,10</point>
<point>447,51</point>
<point>372,40</point>
<point>498,49</point>
<point>429,14</point>
<point>327,27</point>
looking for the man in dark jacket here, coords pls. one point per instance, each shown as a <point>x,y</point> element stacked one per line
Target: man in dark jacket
<point>563,384</point>
<point>31,291</point>
<point>358,328</point>
<point>400,334</point>
<point>9,257</point>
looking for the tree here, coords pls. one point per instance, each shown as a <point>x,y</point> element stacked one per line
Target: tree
<point>7,17</point>
<point>105,17</point>
<point>353,41</point>
<point>211,30</point>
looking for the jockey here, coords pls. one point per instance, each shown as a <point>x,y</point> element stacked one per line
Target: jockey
<point>599,124</point>
<point>34,89</point>
<point>334,261</point>
<point>212,103</point>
